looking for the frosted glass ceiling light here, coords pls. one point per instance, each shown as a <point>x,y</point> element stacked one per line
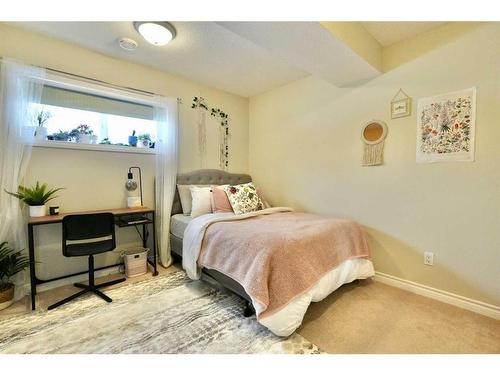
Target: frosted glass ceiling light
<point>156,33</point>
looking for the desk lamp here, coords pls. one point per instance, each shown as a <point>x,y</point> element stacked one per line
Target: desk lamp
<point>131,186</point>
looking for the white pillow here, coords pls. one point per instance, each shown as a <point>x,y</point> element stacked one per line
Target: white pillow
<point>185,197</point>
<point>202,200</point>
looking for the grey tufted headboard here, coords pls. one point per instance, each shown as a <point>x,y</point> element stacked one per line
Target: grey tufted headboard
<point>206,177</point>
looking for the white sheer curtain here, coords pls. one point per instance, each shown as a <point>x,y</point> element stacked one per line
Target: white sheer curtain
<point>20,85</point>
<point>166,117</point>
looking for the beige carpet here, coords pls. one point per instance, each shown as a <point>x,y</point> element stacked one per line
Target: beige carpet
<point>370,317</point>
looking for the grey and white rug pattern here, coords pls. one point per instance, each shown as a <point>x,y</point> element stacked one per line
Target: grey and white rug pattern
<point>165,314</point>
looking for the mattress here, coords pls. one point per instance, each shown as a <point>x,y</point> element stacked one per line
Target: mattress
<point>178,224</point>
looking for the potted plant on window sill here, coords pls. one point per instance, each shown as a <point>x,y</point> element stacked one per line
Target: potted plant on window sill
<point>82,134</point>
<point>41,118</point>
<point>60,136</point>
<point>144,140</point>
<point>132,139</point>
<point>35,197</point>
<point>11,263</point>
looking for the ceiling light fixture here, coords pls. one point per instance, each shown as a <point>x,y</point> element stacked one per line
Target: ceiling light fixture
<point>156,33</point>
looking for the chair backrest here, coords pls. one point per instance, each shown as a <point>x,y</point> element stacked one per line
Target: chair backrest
<point>94,233</point>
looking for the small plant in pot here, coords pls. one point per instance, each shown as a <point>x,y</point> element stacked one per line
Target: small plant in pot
<point>105,141</point>
<point>144,140</point>
<point>82,133</point>
<point>132,139</point>
<point>60,136</point>
<point>35,197</point>
<point>41,118</point>
<point>11,263</point>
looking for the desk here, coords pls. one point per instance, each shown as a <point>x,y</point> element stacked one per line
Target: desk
<point>53,219</point>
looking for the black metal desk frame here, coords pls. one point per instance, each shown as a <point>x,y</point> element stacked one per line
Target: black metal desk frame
<point>152,258</point>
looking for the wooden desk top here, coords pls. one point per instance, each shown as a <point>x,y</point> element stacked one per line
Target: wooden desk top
<point>50,219</point>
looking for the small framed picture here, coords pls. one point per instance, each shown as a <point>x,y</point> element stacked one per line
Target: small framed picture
<point>401,108</point>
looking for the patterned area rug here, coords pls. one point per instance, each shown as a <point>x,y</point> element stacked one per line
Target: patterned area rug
<point>166,314</point>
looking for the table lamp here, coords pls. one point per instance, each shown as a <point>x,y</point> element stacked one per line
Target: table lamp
<point>133,200</point>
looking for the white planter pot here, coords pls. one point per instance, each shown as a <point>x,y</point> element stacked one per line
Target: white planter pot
<point>84,138</point>
<point>41,133</point>
<point>37,211</point>
<point>143,144</point>
<point>29,131</point>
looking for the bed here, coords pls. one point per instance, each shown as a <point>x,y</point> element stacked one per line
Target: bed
<point>179,222</point>
<point>293,253</point>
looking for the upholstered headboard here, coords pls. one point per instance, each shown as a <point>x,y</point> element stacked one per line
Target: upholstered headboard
<point>206,177</point>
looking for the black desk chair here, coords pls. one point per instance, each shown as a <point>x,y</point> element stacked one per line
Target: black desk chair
<point>86,235</point>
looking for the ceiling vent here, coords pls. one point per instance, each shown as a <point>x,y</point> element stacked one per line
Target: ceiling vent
<point>127,44</point>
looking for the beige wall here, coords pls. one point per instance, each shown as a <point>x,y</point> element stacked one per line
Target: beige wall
<point>305,151</point>
<point>356,37</point>
<point>407,50</point>
<point>96,180</point>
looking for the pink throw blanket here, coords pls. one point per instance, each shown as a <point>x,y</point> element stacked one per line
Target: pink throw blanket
<point>280,256</point>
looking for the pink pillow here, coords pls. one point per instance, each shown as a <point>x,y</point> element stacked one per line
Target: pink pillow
<point>220,201</point>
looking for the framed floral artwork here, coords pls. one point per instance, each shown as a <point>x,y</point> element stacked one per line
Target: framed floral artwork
<point>446,127</point>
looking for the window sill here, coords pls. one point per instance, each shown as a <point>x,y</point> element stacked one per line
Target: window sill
<point>93,147</point>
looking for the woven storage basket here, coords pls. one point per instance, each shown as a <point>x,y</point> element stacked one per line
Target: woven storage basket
<point>136,261</point>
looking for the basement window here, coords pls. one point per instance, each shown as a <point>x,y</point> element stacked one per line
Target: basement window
<point>89,119</point>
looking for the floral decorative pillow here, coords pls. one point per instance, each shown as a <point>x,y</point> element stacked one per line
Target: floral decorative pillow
<point>243,198</point>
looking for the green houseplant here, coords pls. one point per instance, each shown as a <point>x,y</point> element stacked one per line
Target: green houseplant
<point>105,141</point>
<point>144,140</point>
<point>82,133</point>
<point>35,197</point>
<point>11,263</point>
<point>41,118</point>
<point>60,136</point>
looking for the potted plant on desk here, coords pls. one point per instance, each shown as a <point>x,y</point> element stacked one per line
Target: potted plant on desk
<point>11,262</point>
<point>35,197</point>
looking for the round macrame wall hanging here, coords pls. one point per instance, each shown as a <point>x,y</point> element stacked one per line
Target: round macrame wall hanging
<point>373,135</point>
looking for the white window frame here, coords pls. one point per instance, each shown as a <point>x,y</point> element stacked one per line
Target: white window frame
<point>64,82</point>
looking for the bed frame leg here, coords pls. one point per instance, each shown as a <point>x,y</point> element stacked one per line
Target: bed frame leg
<point>249,310</point>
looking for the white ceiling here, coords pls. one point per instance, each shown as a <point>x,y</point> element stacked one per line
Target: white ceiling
<point>244,58</point>
<point>309,46</point>
<point>388,33</point>
<point>203,52</point>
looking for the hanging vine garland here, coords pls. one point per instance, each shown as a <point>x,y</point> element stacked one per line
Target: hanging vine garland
<point>223,119</point>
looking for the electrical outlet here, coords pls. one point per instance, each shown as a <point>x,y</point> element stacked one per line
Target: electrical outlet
<point>429,258</point>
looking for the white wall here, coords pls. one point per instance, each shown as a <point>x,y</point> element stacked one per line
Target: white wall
<point>95,180</point>
<point>305,152</point>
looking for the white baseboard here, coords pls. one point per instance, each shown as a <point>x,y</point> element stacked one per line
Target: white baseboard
<point>479,307</point>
